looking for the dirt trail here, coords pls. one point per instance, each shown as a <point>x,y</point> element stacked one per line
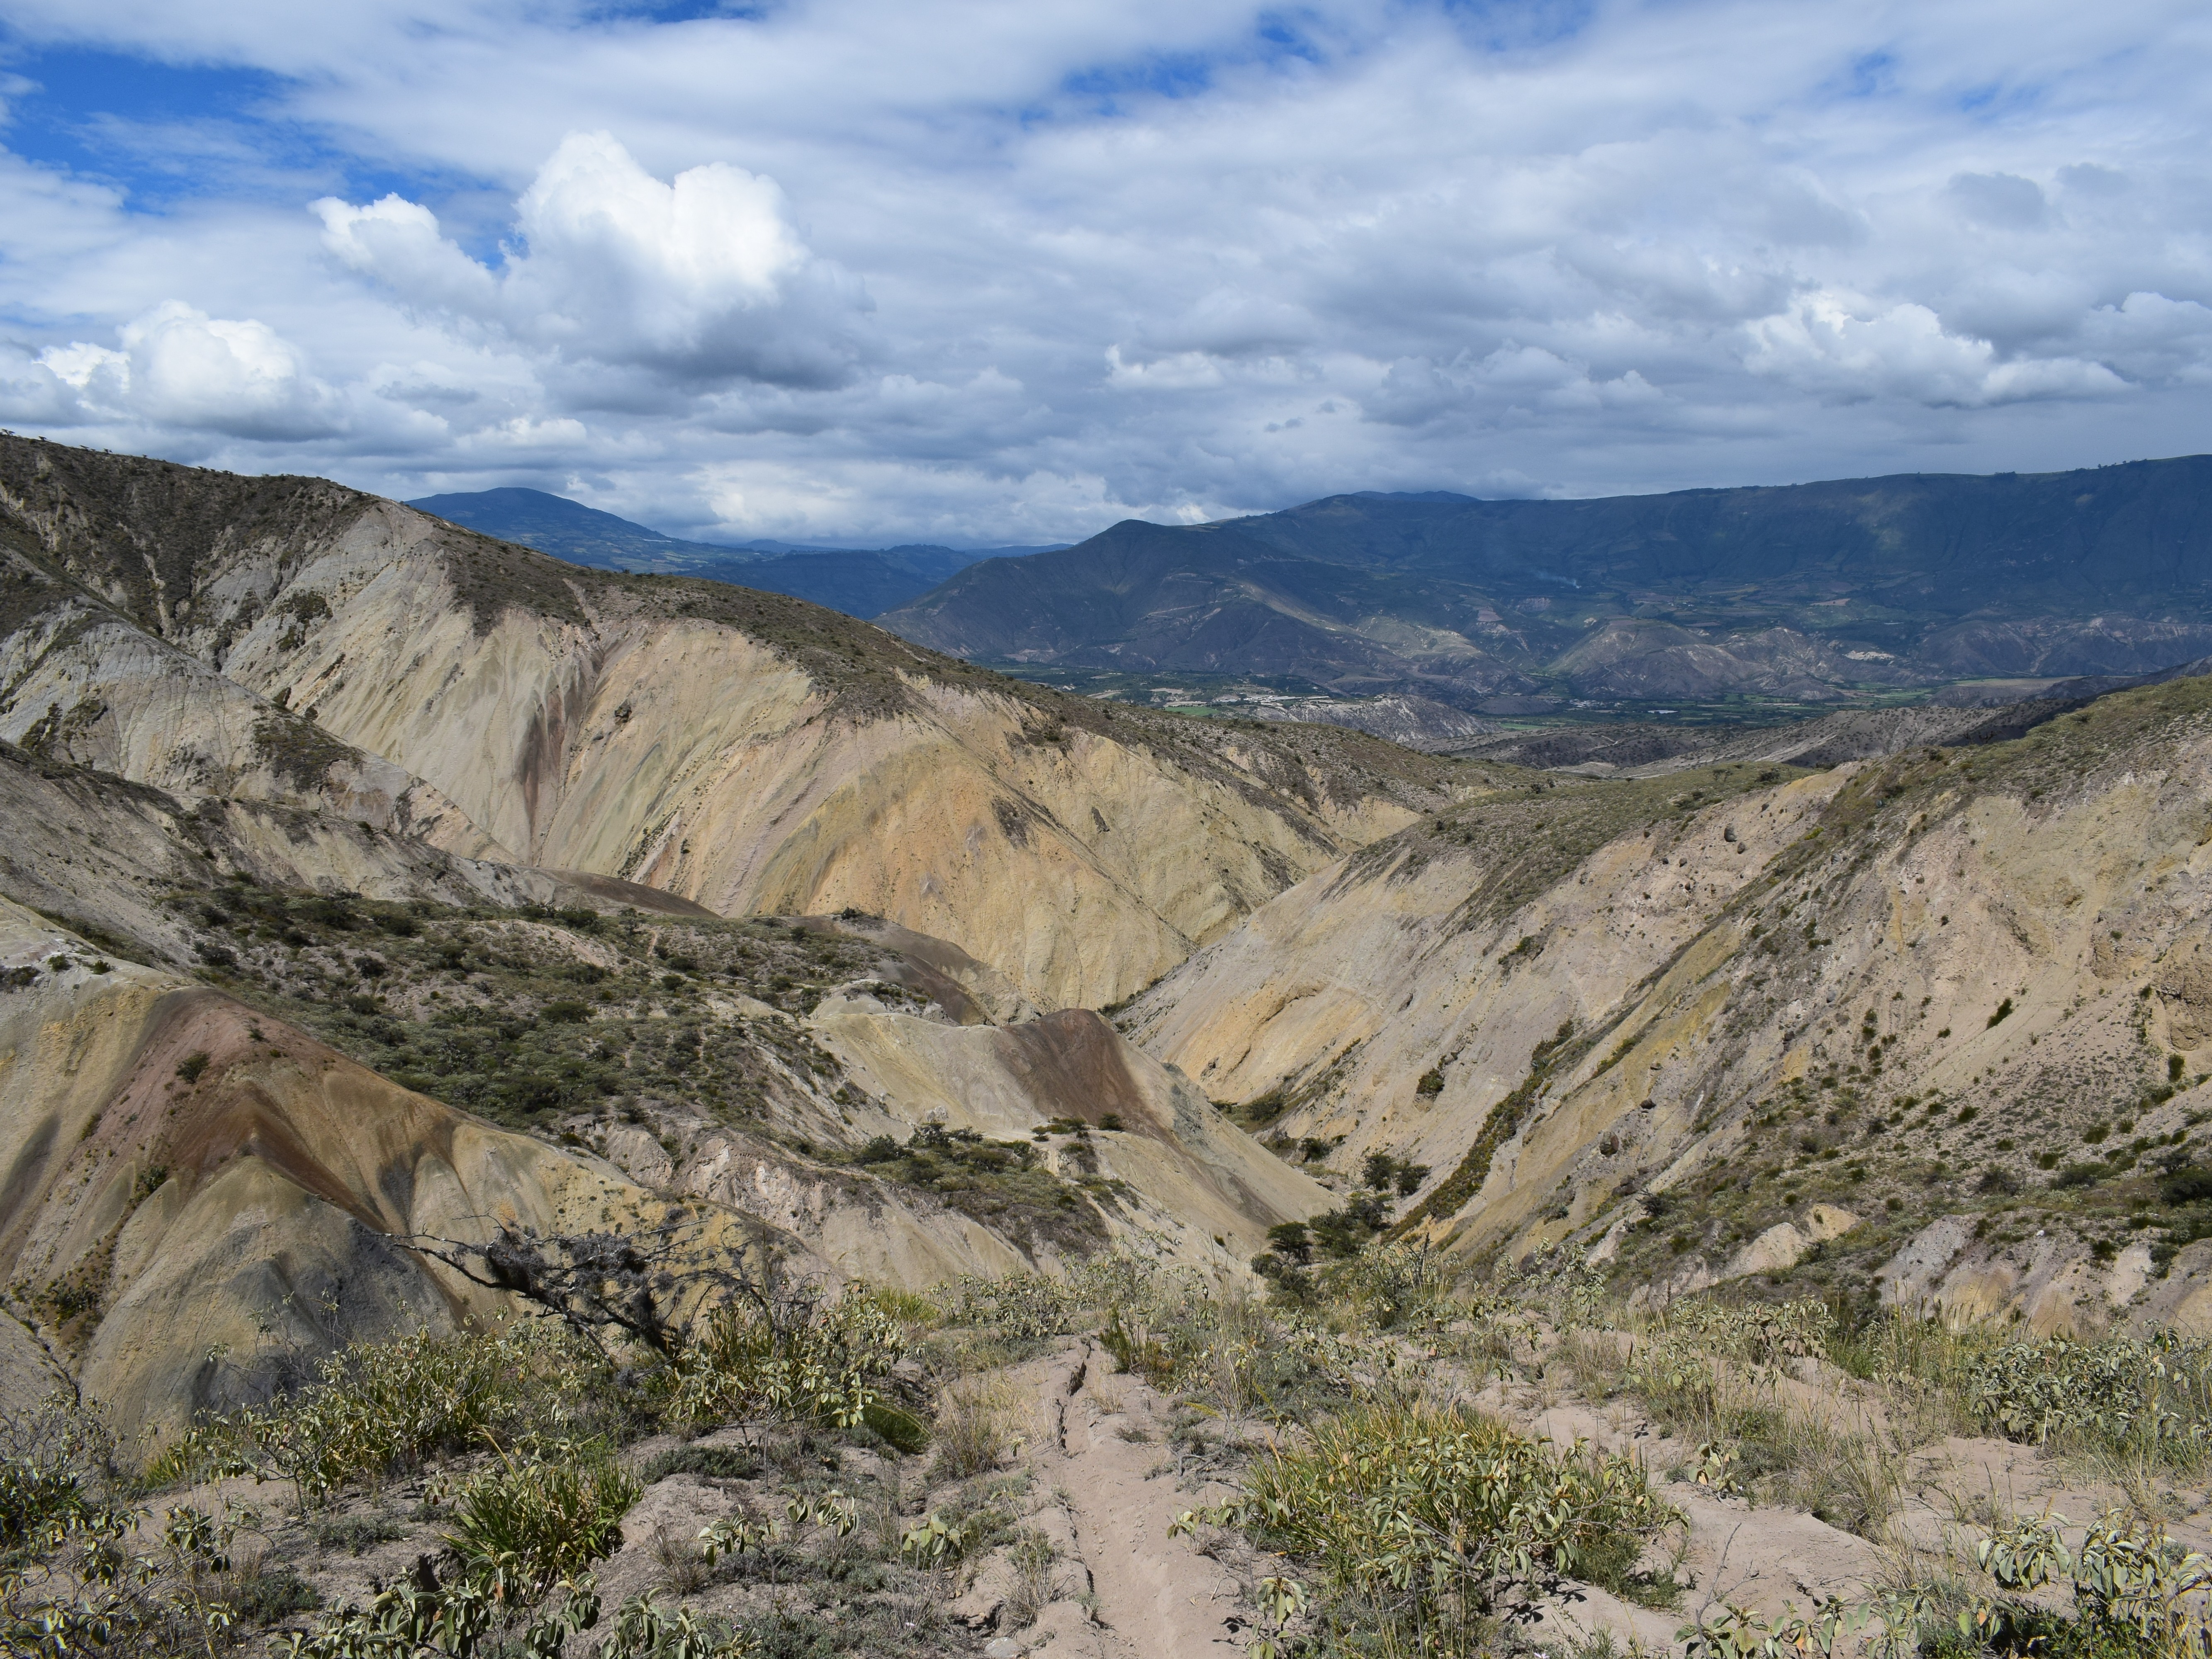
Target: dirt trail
<point>1098,1445</point>
<point>1156,1596</point>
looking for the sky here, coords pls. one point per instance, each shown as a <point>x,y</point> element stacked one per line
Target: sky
<point>865,271</point>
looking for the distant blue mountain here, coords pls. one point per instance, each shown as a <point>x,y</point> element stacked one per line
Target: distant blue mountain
<point>569,530</point>
<point>858,581</point>
<point>1848,588</point>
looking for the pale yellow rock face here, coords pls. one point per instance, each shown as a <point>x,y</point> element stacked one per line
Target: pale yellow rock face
<point>2067,902</point>
<point>689,757</point>
<point>1783,1245</point>
<point>29,1374</point>
<point>95,691</point>
<point>1354,985</point>
<point>1826,1221</point>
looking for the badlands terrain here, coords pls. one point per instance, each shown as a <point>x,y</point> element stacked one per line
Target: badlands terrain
<point>543,1110</point>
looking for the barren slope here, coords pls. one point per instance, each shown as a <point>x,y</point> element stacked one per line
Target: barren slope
<point>750,751</point>
<point>1674,1016</point>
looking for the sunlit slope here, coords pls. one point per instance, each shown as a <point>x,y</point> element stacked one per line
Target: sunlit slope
<point>744,749</point>
<point>1663,1017</point>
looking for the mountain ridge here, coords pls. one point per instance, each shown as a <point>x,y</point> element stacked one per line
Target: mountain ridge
<point>858,581</point>
<point>1809,593</point>
<point>736,746</point>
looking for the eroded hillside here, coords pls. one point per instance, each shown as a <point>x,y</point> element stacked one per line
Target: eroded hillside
<point>249,1054</point>
<point>485,1246</point>
<point>839,1088</point>
<point>201,1202</point>
<point>278,1008</point>
<point>1932,1021</point>
<point>209,633</point>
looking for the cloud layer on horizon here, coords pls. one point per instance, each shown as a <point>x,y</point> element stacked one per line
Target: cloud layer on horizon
<point>846,270</point>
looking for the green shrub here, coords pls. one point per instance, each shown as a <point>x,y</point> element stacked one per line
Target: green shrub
<point>1393,1287</point>
<point>1340,1232</point>
<point>936,1540</point>
<point>1423,1519</point>
<point>1707,1374</point>
<point>751,1364</point>
<point>2154,1396</point>
<point>467,1618</point>
<point>2185,1187</point>
<point>2136,1590</point>
<point>1230,1354</point>
<point>1029,1306</point>
<point>1262,1109</point>
<point>1382,1172</point>
<point>644,1629</point>
<point>900,1430</point>
<point>379,1409</point>
<point>33,1497</point>
<point>532,1522</point>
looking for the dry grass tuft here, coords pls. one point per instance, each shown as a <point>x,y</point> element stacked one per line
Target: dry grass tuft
<point>974,1431</point>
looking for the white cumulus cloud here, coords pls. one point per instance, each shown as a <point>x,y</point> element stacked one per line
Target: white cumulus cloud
<point>178,367</point>
<point>699,281</point>
<point>850,269</point>
<point>1845,347</point>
